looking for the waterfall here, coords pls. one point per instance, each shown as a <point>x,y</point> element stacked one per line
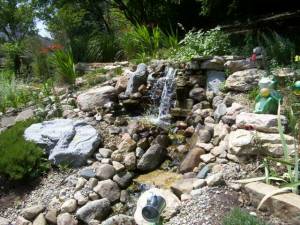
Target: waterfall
<point>166,100</point>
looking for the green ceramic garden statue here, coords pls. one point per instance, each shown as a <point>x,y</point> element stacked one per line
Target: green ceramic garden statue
<point>268,97</point>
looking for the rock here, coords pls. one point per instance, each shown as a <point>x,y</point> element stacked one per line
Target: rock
<point>105,171</point>
<point>203,172</point>
<point>191,160</point>
<point>127,145</point>
<point>221,150</point>
<point>201,135</point>
<point>172,205</point>
<point>121,84</point>
<point>25,115</point>
<point>69,206</point>
<point>217,63</point>
<point>87,173</point>
<point>143,143</point>
<point>214,80</point>
<point>91,183</point>
<point>232,112</point>
<point>214,179</point>
<point>96,97</point>
<point>123,179</point>
<point>124,196</point>
<point>65,140</point>
<point>208,158</point>
<point>4,221</point>
<point>32,212</point>
<point>163,140</point>
<point>93,196</point>
<point>184,186</point>
<point>221,130</point>
<point>40,220</point>
<point>220,111</point>
<point>139,152</point>
<point>119,220</point>
<point>51,216</point>
<point>105,153</point>
<point>153,157</point>
<point>108,189</point>
<point>247,143</point>
<point>136,79</point>
<point>239,65</point>
<point>80,183</point>
<point>130,161</point>
<point>22,221</point>
<point>285,206</point>
<point>260,122</point>
<point>66,219</point>
<point>198,94</point>
<point>118,166</point>
<point>244,80</point>
<point>98,209</point>
<point>81,198</point>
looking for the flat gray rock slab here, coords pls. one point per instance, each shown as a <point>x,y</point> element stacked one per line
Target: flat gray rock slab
<point>214,80</point>
<point>65,140</point>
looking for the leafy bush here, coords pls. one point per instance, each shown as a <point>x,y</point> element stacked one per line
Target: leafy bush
<point>13,93</point>
<point>212,42</point>
<point>63,63</point>
<point>20,159</point>
<point>240,217</point>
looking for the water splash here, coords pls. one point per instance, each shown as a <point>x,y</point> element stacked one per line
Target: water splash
<point>167,95</point>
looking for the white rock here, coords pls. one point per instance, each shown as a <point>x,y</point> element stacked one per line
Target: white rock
<point>69,206</point>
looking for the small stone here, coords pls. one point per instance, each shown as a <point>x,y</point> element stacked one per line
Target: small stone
<point>119,220</point>
<point>108,189</point>
<point>40,220</point>
<point>203,172</point>
<point>22,221</point>
<point>185,197</point>
<point>143,143</point>
<point>105,171</point>
<point>81,198</point>
<point>123,179</point>
<point>199,184</point>
<point>208,158</point>
<point>51,216</point>
<point>215,179</point>
<point>80,183</point>
<point>130,161</point>
<point>139,152</point>
<point>69,206</point>
<point>4,221</point>
<point>105,152</point>
<point>66,219</point>
<point>191,160</point>
<point>93,196</point>
<point>189,131</point>
<point>97,209</point>
<point>183,186</point>
<point>118,166</point>
<point>91,183</point>
<point>124,196</point>
<point>106,161</point>
<point>31,212</point>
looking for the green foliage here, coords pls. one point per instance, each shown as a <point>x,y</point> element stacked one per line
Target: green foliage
<point>63,63</point>
<point>212,42</point>
<point>13,93</point>
<point>252,94</point>
<point>20,159</point>
<point>238,216</point>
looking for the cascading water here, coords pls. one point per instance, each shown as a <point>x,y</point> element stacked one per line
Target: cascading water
<point>166,100</point>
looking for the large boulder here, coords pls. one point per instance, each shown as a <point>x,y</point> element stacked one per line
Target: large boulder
<point>98,209</point>
<point>247,143</point>
<point>65,140</point>
<point>260,122</point>
<point>136,79</point>
<point>96,97</point>
<point>172,204</point>
<point>244,80</point>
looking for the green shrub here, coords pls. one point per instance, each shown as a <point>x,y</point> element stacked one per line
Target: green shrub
<point>63,63</point>
<point>20,159</point>
<point>252,94</point>
<point>212,42</point>
<point>13,93</point>
<point>240,217</point>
